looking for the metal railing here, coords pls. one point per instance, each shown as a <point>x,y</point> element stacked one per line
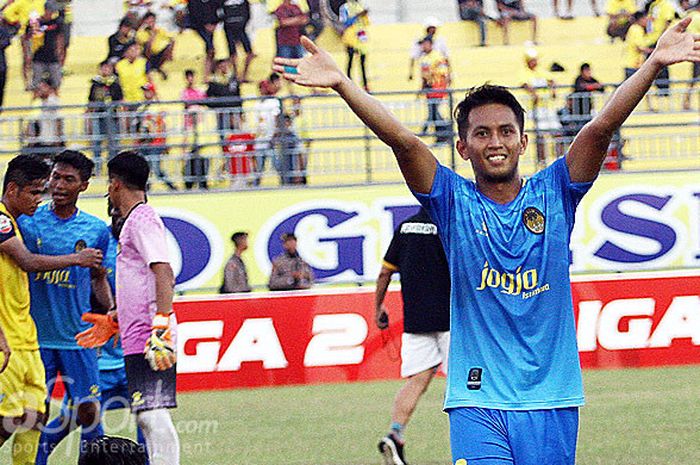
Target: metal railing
<point>317,140</point>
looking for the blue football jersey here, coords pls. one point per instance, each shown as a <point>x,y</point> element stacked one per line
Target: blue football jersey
<point>60,297</point>
<point>513,336</point>
<point>111,355</point>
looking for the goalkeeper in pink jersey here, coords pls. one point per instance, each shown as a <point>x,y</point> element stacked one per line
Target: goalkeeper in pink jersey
<point>144,308</point>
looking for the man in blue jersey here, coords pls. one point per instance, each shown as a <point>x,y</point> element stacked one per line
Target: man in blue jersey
<point>514,381</point>
<point>61,297</point>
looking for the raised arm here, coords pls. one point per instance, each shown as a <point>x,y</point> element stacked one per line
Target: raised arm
<point>588,150</point>
<point>417,163</point>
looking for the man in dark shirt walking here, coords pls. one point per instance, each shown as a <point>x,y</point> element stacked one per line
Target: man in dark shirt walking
<point>47,59</point>
<point>235,15</point>
<point>417,254</point>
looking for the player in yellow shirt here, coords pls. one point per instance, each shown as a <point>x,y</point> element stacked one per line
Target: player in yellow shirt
<point>22,383</point>
<point>157,44</point>
<point>661,13</point>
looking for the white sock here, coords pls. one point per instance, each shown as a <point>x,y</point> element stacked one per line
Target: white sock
<point>161,437</point>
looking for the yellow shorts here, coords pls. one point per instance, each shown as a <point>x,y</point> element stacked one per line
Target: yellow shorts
<point>22,384</point>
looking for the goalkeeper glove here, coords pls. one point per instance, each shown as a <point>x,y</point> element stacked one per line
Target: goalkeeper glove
<point>159,350</point>
<point>102,329</point>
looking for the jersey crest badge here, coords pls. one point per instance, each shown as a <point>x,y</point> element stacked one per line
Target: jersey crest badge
<point>534,221</point>
<point>80,245</point>
<point>5,224</point>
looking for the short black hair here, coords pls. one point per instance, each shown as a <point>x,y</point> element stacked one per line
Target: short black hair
<point>484,95</point>
<point>235,237</point>
<point>274,77</point>
<point>585,66</point>
<point>131,168</point>
<point>24,170</point>
<point>637,15</point>
<point>78,161</point>
<point>148,14</point>
<point>189,72</point>
<point>108,450</point>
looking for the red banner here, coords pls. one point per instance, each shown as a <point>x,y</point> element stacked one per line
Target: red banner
<point>314,337</point>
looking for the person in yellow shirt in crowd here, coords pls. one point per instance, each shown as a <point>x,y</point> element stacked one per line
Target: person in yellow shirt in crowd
<point>661,13</point>
<point>354,18</point>
<point>22,383</point>
<point>435,71</point>
<point>539,83</point>
<point>18,14</point>
<point>157,44</point>
<point>133,74</point>
<point>620,14</point>
<point>637,47</point>
<point>694,12</point>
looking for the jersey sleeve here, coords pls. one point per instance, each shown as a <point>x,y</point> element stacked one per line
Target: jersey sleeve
<point>393,253</point>
<point>27,227</point>
<point>7,229</point>
<point>440,201</point>
<point>571,192</point>
<point>150,241</point>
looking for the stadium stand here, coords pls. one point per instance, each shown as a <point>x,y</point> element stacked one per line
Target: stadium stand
<point>342,150</point>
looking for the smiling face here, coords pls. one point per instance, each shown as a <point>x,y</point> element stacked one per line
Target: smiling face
<point>65,185</point>
<point>493,143</point>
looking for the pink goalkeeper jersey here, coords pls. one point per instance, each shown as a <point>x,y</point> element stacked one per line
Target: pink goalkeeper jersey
<point>142,242</point>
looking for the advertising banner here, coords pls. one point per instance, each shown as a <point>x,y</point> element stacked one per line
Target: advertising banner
<point>627,222</point>
<point>315,337</point>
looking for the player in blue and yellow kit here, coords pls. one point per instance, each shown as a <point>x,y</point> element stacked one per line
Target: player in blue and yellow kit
<point>59,298</point>
<point>514,379</point>
<point>22,382</point>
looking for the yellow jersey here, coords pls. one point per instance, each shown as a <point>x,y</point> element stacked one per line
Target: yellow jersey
<point>539,79</point>
<point>615,7</point>
<point>355,33</point>
<point>161,40</point>
<point>19,12</point>
<point>636,39</point>
<point>15,320</point>
<point>695,23</point>
<point>661,12</point>
<point>132,77</point>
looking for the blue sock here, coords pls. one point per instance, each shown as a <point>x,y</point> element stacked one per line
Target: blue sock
<point>141,439</point>
<point>52,434</point>
<point>397,430</point>
<point>90,433</point>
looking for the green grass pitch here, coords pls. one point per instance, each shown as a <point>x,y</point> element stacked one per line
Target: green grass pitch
<point>632,417</point>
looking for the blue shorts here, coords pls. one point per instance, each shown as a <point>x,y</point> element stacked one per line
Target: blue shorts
<point>482,436</point>
<point>78,370</point>
<point>115,390</point>
<point>114,395</point>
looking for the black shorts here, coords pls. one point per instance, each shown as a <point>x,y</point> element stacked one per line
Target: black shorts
<point>234,34</point>
<point>148,389</point>
<point>696,70</point>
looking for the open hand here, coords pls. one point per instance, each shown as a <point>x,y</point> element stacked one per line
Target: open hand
<point>314,70</point>
<point>677,45</point>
